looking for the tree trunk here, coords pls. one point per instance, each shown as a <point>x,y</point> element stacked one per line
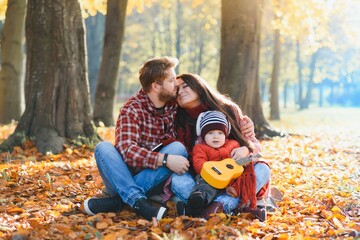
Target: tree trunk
<point>155,39</point>
<point>168,32</point>
<point>57,90</point>
<point>300,76</point>
<point>95,27</point>
<point>109,69</point>
<point>179,24</point>
<point>11,74</point>
<point>274,85</point>
<point>239,59</point>
<point>308,96</point>
<point>286,86</point>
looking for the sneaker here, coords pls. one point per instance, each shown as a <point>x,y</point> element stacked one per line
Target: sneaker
<point>181,208</point>
<point>144,208</point>
<point>214,207</point>
<point>258,213</point>
<point>185,210</point>
<point>196,203</point>
<point>197,200</point>
<point>268,203</point>
<point>92,206</point>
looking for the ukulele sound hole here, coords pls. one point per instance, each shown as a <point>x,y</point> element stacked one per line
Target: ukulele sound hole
<point>229,166</point>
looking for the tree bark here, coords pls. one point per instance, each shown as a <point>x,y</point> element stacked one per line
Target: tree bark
<point>239,60</point>
<point>300,76</point>
<point>178,38</point>
<point>11,74</point>
<point>308,96</point>
<point>57,91</point>
<point>274,85</point>
<point>95,28</point>
<point>286,86</point>
<point>109,69</point>
<point>200,53</point>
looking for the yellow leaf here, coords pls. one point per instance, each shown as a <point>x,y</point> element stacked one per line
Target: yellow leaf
<point>69,151</point>
<point>102,225</point>
<point>338,223</point>
<point>336,209</point>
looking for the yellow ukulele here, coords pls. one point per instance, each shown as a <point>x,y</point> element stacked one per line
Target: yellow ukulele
<point>219,173</point>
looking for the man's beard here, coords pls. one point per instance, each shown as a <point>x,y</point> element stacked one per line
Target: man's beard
<point>166,96</point>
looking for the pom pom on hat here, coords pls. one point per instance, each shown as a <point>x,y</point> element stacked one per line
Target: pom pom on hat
<point>212,120</point>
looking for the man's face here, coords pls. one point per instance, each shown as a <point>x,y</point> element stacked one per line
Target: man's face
<point>169,87</point>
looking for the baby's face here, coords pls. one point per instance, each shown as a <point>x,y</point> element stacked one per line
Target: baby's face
<point>215,138</point>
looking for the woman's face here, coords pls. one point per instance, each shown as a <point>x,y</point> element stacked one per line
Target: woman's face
<point>187,98</point>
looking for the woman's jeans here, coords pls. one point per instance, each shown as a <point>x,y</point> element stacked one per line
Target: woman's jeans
<point>262,173</point>
<point>182,186</point>
<point>118,179</point>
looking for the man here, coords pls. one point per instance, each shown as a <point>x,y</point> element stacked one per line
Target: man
<point>134,167</point>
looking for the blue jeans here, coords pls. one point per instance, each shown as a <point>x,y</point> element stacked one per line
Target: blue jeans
<point>118,179</point>
<point>262,172</point>
<point>182,185</point>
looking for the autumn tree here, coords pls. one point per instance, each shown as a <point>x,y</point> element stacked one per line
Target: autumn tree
<point>306,24</point>
<point>12,55</point>
<point>57,92</point>
<point>94,41</point>
<point>274,84</point>
<point>239,59</point>
<point>109,69</point>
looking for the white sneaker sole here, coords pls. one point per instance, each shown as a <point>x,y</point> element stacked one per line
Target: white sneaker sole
<point>86,207</point>
<point>161,213</point>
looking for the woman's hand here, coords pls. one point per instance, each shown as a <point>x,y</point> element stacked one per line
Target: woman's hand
<point>239,152</point>
<point>248,128</point>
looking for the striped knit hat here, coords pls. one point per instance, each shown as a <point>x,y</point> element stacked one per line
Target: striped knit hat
<point>212,120</point>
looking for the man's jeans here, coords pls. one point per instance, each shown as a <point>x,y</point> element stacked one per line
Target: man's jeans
<point>182,186</point>
<point>118,179</point>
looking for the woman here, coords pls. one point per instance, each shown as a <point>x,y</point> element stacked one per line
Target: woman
<point>195,97</point>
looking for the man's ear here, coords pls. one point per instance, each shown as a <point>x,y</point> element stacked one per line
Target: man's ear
<point>155,87</point>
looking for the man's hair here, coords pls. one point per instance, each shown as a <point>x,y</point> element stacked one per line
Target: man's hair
<point>154,69</point>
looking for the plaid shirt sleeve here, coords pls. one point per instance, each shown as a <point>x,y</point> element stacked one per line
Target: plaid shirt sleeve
<point>129,140</point>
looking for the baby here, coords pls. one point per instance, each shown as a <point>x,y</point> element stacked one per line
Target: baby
<point>213,128</point>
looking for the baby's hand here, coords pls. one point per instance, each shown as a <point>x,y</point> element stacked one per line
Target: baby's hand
<point>239,152</point>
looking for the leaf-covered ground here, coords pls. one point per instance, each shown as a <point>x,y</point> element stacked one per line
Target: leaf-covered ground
<point>318,172</point>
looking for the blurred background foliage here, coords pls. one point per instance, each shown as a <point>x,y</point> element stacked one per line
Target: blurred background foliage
<point>319,43</point>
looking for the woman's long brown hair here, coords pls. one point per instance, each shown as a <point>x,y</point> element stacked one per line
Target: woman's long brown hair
<point>214,101</point>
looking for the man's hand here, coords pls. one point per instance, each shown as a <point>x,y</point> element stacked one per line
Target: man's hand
<point>247,129</point>
<point>176,163</point>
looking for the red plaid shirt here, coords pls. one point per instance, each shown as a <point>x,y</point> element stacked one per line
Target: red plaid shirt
<point>140,128</point>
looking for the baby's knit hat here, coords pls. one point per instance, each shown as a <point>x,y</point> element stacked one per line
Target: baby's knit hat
<point>212,120</point>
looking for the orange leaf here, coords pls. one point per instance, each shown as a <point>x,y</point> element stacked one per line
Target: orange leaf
<point>15,210</point>
<point>102,225</point>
